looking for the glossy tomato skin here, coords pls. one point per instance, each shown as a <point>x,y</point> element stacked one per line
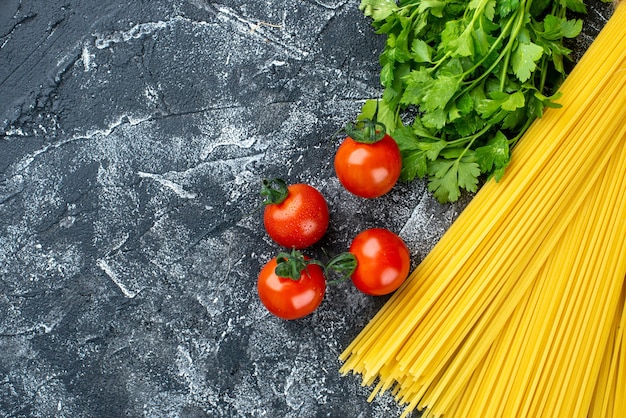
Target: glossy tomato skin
<point>368,170</point>
<point>300,220</point>
<point>383,261</point>
<point>291,299</point>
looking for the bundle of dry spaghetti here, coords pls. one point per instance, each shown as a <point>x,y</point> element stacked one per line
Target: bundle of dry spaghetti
<point>519,309</point>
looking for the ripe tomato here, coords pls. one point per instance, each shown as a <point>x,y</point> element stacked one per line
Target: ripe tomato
<point>383,261</point>
<point>296,217</point>
<point>368,169</point>
<point>290,298</point>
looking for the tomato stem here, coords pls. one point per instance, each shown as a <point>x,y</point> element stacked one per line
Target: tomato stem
<point>274,191</point>
<point>367,131</point>
<point>343,264</point>
<point>291,265</point>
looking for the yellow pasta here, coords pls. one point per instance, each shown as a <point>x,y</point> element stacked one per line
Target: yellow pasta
<point>610,391</point>
<point>519,308</point>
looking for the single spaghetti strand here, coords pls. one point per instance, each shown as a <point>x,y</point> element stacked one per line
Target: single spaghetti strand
<point>620,364</point>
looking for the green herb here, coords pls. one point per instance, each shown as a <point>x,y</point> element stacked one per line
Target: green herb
<point>464,79</point>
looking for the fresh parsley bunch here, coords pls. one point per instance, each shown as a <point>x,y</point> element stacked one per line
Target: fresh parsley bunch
<point>464,79</point>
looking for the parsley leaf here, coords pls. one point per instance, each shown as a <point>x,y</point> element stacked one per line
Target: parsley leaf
<point>378,9</point>
<point>556,28</point>
<point>524,59</point>
<point>434,7</point>
<point>438,92</point>
<point>421,51</point>
<point>495,154</point>
<point>448,177</point>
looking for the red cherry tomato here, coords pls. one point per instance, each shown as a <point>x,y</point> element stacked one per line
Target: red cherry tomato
<point>288,298</point>
<point>383,261</point>
<point>368,169</point>
<point>298,221</point>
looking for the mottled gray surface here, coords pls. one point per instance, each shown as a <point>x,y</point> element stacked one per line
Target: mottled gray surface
<point>133,137</point>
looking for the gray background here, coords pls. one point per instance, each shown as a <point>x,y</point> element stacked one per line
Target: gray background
<point>133,138</point>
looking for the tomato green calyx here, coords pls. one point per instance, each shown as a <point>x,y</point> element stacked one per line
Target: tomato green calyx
<point>274,191</point>
<point>367,131</point>
<point>291,265</point>
<point>343,264</point>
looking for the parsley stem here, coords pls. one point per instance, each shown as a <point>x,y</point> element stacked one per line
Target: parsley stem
<point>470,138</point>
<point>439,62</point>
<point>544,73</point>
<point>505,32</point>
<point>517,137</point>
<point>504,70</point>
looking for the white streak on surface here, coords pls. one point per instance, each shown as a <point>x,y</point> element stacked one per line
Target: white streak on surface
<point>136,32</point>
<point>175,187</point>
<point>122,120</point>
<point>262,30</point>
<point>87,58</point>
<point>109,272</point>
<point>229,136</point>
<point>140,30</point>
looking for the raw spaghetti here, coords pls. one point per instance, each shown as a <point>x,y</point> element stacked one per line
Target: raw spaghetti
<point>519,308</point>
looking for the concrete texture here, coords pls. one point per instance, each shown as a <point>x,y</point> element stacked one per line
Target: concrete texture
<point>133,139</point>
